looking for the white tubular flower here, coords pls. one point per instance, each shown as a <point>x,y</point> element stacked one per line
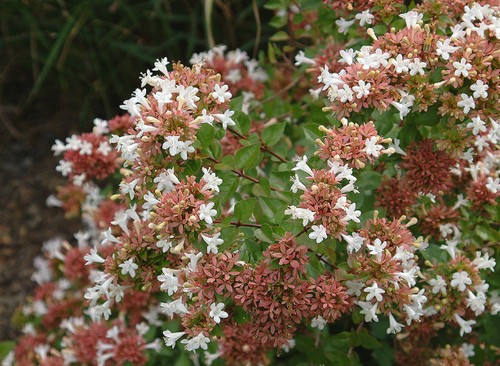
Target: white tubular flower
<point>347,56</point>
<point>403,108</point>
<point>185,148</point>
<point>400,64</point>
<point>166,181</point>
<point>362,89</point>
<point>161,66</point>
<point>468,349</point>
<point>374,292</point>
<point>212,181</point>
<point>365,17</point>
<point>443,48</point>
<point>193,260</point>
<point>206,118</point>
<point>394,326</point>
<point>417,67</point>
<point>318,322</point>
<point>377,248</point>
<point>213,243</point>
<point>59,147</point>
<point>200,341</point>
<point>206,212</point>
<point>65,167</point>
<point>169,282</point>
<point>304,214</point>
<point>369,310</point>
<point>300,58</point>
<point>143,128</point>
<point>465,325</point>
<point>93,257</point>
<point>372,147</point>
<point>438,285</point>
<point>462,68</point>
<point>221,94</point>
<point>108,237</point>
<point>172,144</point>
<point>301,164</point>
<point>344,25</point>
<point>128,267</point>
<point>187,96</point>
<point>476,303</point>
<point>484,262</point>
<point>354,242</point>
<point>225,118</point>
<point>411,18</point>
<point>216,312</point>
<point>351,213</point>
<point>174,307</point>
<point>450,247</point>
<point>493,185</point>
<point>480,89</point>
<point>151,201</point>
<point>297,184</point>
<point>467,103</point>
<point>318,234</point>
<point>164,245</point>
<point>477,125</point>
<point>460,280</point>
<point>170,338</point>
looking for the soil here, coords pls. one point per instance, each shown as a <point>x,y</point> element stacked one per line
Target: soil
<point>27,178</point>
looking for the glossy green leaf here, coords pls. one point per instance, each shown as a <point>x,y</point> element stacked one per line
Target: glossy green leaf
<point>248,157</point>
<point>244,209</point>
<point>272,134</point>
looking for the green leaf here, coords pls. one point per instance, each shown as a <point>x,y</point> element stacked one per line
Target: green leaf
<point>367,341</point>
<point>311,131</point>
<point>272,134</point>
<point>244,209</point>
<point>236,103</point>
<point>274,5</point>
<point>384,356</point>
<point>408,134</point>
<point>183,360</point>
<point>428,118</point>
<point>369,180</point>
<point>311,4</point>
<point>205,135</point>
<point>272,208</point>
<point>5,348</point>
<point>227,163</point>
<point>265,234</point>
<point>279,36</point>
<point>248,157</point>
<point>242,123</point>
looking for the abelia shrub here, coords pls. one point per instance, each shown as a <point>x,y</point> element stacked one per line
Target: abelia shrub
<point>337,209</point>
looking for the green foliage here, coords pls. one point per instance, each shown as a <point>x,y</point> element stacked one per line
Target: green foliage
<point>82,50</point>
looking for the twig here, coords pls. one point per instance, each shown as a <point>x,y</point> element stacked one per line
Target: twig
<point>279,92</point>
<point>209,6</point>
<point>243,175</point>
<point>358,329</point>
<point>238,224</point>
<point>8,124</point>
<point>258,26</point>
<point>264,148</point>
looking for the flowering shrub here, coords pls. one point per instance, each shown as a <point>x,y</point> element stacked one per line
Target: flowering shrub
<point>340,210</point>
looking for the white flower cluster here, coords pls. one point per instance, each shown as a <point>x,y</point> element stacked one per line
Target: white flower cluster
<point>234,59</point>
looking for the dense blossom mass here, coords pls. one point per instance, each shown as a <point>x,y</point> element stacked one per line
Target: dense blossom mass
<point>333,204</point>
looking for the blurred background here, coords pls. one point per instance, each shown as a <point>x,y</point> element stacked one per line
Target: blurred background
<point>64,63</point>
